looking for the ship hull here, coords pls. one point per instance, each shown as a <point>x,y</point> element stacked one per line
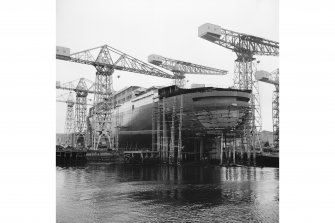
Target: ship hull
<point>205,111</point>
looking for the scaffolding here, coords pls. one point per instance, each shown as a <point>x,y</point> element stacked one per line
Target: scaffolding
<point>166,128</point>
<point>117,128</point>
<point>168,138</point>
<point>234,144</point>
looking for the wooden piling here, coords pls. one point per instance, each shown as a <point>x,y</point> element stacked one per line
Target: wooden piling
<point>201,148</point>
<point>158,131</point>
<point>221,148</point>
<point>165,145</point>
<point>226,149</point>
<point>234,149</point>
<point>180,158</point>
<point>195,149</point>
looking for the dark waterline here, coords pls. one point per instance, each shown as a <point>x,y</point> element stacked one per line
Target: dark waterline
<point>119,193</point>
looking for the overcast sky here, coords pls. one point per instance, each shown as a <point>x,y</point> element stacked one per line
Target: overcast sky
<point>168,28</point>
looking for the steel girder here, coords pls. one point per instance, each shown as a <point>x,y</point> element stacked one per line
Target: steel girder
<point>184,67</point>
<point>241,43</point>
<point>106,56</point>
<point>180,68</point>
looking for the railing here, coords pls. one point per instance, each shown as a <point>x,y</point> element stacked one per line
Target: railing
<point>209,85</point>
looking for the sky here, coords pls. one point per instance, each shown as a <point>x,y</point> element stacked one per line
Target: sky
<point>167,28</point>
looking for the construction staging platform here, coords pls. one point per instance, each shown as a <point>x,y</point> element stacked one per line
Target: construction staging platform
<point>153,157</point>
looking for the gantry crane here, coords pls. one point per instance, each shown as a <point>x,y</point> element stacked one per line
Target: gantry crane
<point>272,78</point>
<point>70,128</point>
<point>106,60</point>
<point>245,47</point>
<point>69,120</point>
<point>80,123</point>
<point>180,68</point>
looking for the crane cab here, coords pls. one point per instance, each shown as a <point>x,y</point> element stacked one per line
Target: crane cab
<point>62,53</point>
<point>155,59</point>
<point>209,31</point>
<point>262,75</point>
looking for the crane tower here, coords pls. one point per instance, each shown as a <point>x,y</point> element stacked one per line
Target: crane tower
<point>245,47</point>
<point>272,78</point>
<point>80,123</point>
<point>81,107</point>
<point>106,60</point>
<point>69,121</point>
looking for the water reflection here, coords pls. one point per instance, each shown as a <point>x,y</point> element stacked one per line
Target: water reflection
<point>103,193</point>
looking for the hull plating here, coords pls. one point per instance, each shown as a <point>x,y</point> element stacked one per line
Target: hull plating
<point>208,112</point>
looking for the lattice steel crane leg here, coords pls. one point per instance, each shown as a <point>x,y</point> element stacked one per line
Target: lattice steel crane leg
<point>69,122</point>
<point>257,124</point>
<point>244,79</point>
<point>102,117</point>
<point>80,127</point>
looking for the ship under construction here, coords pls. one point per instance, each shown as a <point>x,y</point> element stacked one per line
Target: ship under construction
<point>178,123</point>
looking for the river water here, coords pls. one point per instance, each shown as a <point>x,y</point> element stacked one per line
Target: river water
<point>120,193</point>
